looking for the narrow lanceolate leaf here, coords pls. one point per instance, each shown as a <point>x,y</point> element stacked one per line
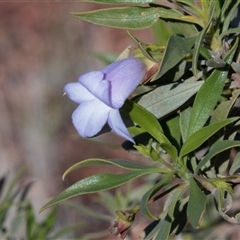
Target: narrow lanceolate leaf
<point>165,99</point>
<point>235,165</point>
<point>150,124</point>
<point>223,10</point>
<point>199,137</point>
<point>184,122</point>
<point>196,204</point>
<point>177,48</point>
<point>141,116</point>
<point>216,149</point>
<point>230,31</point>
<point>124,17</point>
<point>97,161</point>
<point>223,109</point>
<point>199,40</point>
<point>147,196</point>
<point>121,1</point>
<point>229,17</point>
<point>209,94</point>
<point>97,183</point>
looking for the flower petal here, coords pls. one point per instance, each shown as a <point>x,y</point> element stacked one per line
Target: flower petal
<point>95,83</point>
<point>77,93</point>
<point>117,125</point>
<point>124,76</point>
<point>90,117</point>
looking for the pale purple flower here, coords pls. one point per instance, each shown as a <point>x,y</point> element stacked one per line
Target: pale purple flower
<point>101,94</point>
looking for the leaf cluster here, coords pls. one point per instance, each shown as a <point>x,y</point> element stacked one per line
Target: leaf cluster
<point>186,119</point>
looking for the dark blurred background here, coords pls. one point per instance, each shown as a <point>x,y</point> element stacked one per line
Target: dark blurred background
<point>43,47</point>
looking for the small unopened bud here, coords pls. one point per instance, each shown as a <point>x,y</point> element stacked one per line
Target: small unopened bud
<point>123,222</point>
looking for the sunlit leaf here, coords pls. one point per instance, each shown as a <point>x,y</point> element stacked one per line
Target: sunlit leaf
<point>129,165</point>
<point>97,183</point>
<point>165,99</point>
<point>209,94</point>
<point>148,122</point>
<point>124,17</point>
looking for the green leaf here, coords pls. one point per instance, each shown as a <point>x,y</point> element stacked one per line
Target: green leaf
<point>199,137</point>
<point>230,31</point>
<point>223,109</point>
<point>97,161</point>
<point>217,148</point>
<point>235,165</point>
<point>209,94</point>
<point>121,1</point>
<point>150,51</point>
<point>150,124</point>
<point>131,17</point>
<point>97,183</point>
<point>124,17</point>
<point>141,116</point>
<point>189,3</point>
<point>199,40</point>
<point>177,48</point>
<point>184,122</point>
<point>148,195</point>
<point>162,30</point>
<point>165,99</point>
<point>229,17</point>
<point>184,28</point>
<point>196,204</point>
